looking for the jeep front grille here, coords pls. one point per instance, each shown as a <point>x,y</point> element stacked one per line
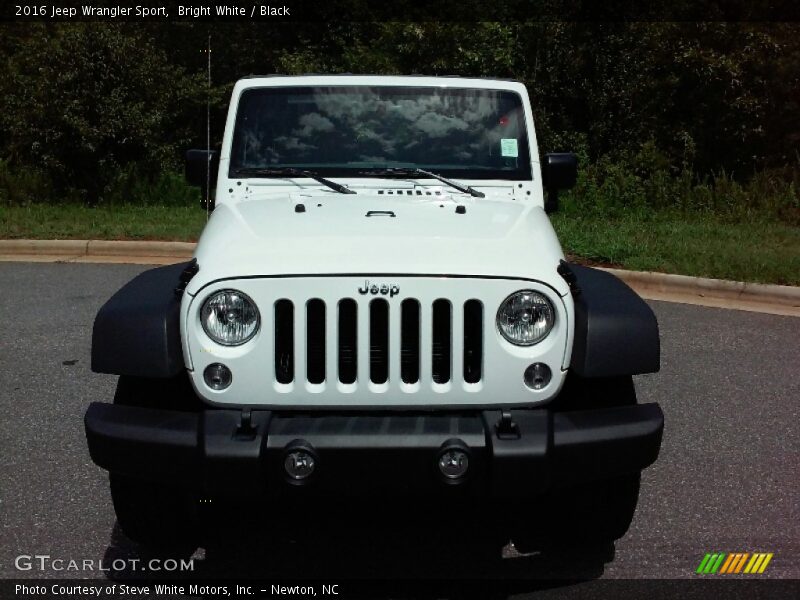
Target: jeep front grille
<point>385,346</point>
<point>372,342</point>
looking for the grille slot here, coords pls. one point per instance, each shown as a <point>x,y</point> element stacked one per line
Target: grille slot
<point>348,349</point>
<point>409,341</point>
<point>379,341</point>
<point>284,341</point>
<point>315,341</point>
<point>473,341</point>
<point>441,351</point>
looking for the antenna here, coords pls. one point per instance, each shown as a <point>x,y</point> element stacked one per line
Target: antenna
<point>208,132</point>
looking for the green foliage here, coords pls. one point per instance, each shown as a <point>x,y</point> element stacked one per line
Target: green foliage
<point>648,181</point>
<point>132,185</point>
<point>82,102</point>
<point>23,185</point>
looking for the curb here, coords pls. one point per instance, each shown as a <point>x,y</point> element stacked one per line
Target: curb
<point>97,251</point>
<point>718,293</point>
<point>97,248</point>
<point>758,297</point>
<point>785,295</point>
<point>162,249</point>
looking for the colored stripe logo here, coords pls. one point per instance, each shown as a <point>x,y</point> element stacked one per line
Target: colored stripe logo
<point>734,562</point>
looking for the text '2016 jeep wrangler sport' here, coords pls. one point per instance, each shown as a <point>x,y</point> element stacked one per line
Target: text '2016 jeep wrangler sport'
<point>378,308</point>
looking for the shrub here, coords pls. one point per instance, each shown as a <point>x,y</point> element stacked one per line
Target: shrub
<point>645,182</point>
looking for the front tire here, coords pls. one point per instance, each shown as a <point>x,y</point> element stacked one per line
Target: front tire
<point>157,516</point>
<point>154,515</point>
<point>592,514</point>
<point>585,516</point>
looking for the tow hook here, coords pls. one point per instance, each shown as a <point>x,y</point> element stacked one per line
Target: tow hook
<point>245,429</point>
<point>506,428</point>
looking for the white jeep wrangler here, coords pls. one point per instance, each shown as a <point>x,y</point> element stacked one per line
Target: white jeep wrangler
<point>378,308</point>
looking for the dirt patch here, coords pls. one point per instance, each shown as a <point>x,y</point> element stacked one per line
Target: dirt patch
<point>590,262</point>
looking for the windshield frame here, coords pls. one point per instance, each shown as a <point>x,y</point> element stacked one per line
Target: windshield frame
<point>524,172</point>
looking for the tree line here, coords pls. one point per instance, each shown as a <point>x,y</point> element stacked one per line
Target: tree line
<point>91,111</point>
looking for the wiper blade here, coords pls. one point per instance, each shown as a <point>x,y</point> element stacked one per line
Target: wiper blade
<point>401,171</point>
<point>460,187</point>
<point>293,172</point>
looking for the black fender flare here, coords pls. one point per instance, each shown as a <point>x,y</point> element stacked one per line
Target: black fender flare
<point>616,332</point>
<point>137,332</point>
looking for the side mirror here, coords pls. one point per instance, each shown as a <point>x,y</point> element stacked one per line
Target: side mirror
<point>559,172</point>
<point>201,170</point>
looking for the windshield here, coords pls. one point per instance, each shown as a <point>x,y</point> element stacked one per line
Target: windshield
<point>345,131</point>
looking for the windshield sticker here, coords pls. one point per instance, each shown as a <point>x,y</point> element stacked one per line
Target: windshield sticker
<point>508,147</point>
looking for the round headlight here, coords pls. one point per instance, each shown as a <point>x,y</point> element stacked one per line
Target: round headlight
<point>229,317</point>
<point>525,318</point>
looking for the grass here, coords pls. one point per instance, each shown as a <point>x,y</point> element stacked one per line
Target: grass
<point>121,222</point>
<point>685,243</point>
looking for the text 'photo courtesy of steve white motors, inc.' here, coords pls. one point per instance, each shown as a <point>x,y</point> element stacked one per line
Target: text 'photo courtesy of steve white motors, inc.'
<point>174,11</point>
<point>169,590</point>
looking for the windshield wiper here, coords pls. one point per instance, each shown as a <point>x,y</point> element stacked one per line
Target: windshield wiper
<point>404,171</point>
<point>292,172</point>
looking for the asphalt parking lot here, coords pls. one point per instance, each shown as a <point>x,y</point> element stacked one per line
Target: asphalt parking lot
<point>726,480</point>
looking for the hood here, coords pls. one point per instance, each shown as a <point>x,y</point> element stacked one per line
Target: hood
<point>421,233</point>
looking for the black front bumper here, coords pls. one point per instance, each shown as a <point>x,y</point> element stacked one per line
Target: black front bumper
<point>212,453</point>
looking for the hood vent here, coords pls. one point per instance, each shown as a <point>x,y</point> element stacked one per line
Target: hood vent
<point>409,193</point>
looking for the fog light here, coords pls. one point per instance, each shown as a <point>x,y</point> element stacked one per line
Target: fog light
<point>453,463</point>
<point>537,376</point>
<point>217,376</point>
<point>299,464</point>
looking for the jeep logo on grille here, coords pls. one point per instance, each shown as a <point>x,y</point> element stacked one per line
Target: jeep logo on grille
<point>390,289</point>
